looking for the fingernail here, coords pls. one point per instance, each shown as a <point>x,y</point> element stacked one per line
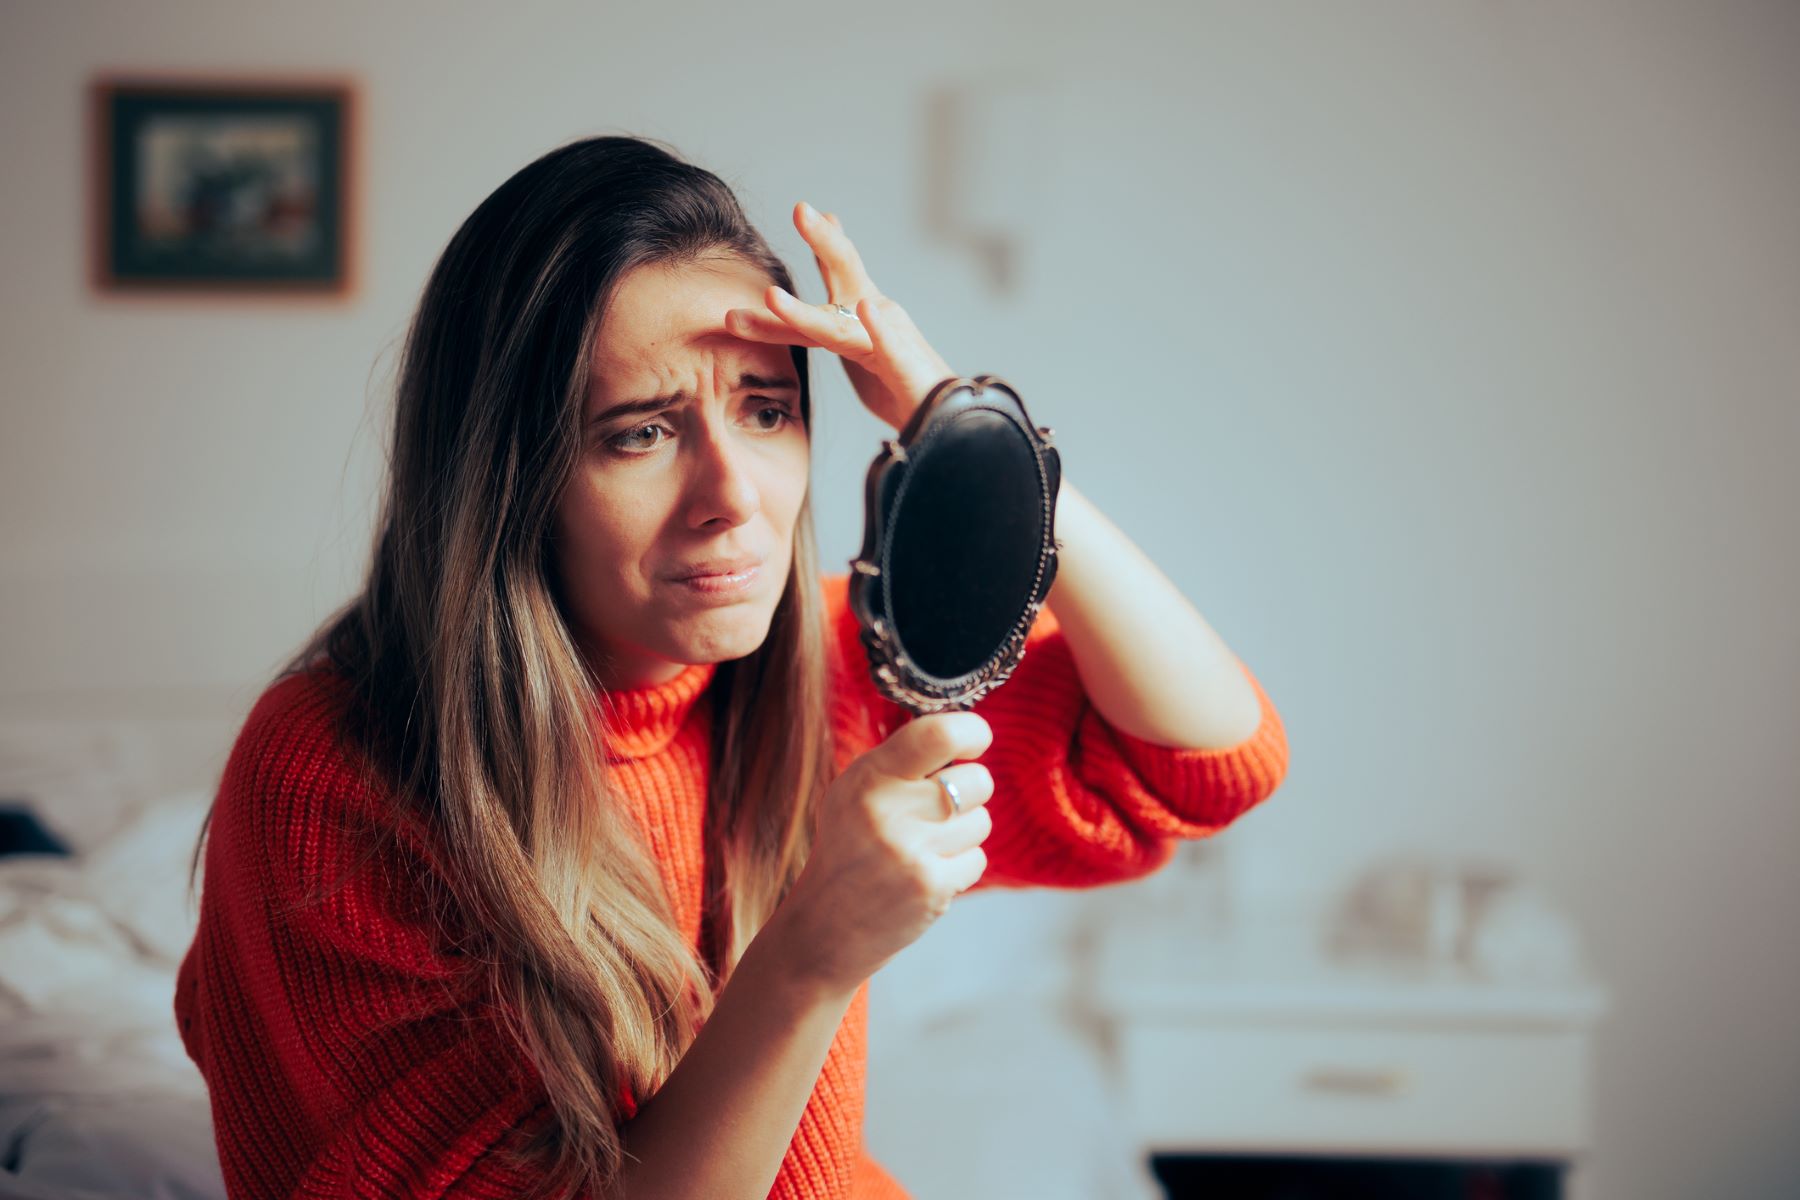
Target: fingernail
<point>808,209</point>
<point>973,727</point>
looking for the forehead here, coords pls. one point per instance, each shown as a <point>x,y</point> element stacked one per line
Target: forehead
<point>666,320</point>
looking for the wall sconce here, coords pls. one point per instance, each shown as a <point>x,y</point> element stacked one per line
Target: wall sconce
<point>989,158</point>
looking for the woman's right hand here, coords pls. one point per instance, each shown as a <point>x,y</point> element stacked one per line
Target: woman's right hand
<point>887,860</point>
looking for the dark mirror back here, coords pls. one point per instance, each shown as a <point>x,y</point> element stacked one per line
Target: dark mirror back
<point>959,547</point>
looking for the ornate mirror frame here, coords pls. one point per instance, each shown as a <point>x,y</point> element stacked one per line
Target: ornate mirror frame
<point>896,674</point>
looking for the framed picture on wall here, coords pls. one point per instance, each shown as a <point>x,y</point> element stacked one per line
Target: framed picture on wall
<point>222,185</point>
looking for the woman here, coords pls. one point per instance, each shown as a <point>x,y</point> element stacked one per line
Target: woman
<point>557,863</point>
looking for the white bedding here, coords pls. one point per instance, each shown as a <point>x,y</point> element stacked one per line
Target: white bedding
<point>97,1096</point>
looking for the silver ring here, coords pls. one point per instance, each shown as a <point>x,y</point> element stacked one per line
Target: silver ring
<point>950,794</point>
<point>841,311</point>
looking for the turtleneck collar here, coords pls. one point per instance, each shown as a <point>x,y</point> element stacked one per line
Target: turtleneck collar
<point>644,720</point>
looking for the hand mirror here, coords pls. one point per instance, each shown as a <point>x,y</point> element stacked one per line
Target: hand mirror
<point>959,546</point>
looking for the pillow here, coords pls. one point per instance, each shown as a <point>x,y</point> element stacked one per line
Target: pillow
<point>139,875</point>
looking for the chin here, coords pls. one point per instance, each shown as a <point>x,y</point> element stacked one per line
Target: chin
<point>726,634</point>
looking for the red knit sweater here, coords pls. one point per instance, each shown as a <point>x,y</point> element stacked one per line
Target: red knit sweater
<point>338,1062</point>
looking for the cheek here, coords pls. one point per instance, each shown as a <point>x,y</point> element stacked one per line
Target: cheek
<point>788,484</point>
<point>596,538</point>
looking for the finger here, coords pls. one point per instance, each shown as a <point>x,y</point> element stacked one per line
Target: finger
<point>915,368</point>
<point>840,263</point>
<point>959,833</point>
<point>927,801</point>
<point>834,331</point>
<point>973,782</point>
<point>963,871</point>
<point>924,744</point>
<point>761,325</point>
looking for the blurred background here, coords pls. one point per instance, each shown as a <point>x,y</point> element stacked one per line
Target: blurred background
<point>1446,355</point>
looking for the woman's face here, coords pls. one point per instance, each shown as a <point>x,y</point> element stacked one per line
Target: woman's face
<point>694,459</point>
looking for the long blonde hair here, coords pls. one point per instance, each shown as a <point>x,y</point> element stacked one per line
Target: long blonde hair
<point>470,696</point>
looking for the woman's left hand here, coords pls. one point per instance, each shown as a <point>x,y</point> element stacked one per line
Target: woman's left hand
<point>890,364</point>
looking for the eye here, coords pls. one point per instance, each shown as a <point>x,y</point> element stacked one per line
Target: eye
<point>630,442</point>
<point>783,415</point>
<point>641,439</point>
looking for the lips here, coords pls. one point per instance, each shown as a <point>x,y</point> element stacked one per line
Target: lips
<point>716,566</point>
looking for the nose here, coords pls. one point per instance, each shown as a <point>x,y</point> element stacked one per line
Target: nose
<point>721,489</point>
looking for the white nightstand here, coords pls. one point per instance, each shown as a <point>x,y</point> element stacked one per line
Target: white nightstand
<point>1252,1043</point>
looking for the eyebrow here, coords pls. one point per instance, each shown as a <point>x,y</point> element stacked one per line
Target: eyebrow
<point>651,404</point>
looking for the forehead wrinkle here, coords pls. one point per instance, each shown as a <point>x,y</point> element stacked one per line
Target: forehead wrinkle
<point>690,376</point>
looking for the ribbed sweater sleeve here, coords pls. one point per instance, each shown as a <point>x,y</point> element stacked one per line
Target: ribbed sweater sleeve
<point>1077,801</point>
<point>343,1053</point>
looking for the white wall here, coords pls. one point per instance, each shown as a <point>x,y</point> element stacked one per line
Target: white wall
<point>1444,354</point>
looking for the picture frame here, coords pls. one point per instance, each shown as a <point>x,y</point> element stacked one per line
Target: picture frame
<point>243,186</point>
